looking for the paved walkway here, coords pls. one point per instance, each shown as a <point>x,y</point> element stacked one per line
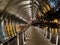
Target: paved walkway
<point>34,37</point>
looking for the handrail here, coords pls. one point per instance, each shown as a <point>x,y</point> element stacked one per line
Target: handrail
<point>12,37</point>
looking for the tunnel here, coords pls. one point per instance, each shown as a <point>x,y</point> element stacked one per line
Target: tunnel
<point>29,22</point>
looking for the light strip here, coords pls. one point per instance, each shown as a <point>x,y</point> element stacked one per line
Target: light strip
<point>35,5</point>
<point>24,2</point>
<point>28,6</point>
<point>36,2</point>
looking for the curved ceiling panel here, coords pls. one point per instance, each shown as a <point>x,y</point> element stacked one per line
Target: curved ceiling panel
<point>27,6</point>
<point>3,3</point>
<point>27,14</point>
<point>20,8</point>
<point>25,2</point>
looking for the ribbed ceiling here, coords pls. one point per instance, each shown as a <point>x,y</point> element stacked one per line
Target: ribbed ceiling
<point>25,9</point>
<point>21,8</point>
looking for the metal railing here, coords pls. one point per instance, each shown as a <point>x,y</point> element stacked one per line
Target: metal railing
<point>19,39</point>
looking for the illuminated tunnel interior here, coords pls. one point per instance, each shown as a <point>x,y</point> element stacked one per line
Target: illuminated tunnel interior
<point>29,22</point>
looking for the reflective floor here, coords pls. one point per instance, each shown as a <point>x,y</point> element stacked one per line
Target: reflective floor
<point>35,37</point>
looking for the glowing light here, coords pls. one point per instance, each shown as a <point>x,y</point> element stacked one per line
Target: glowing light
<point>55,21</point>
<point>27,6</point>
<point>25,2</point>
<point>45,9</point>
<point>48,7</point>
<point>52,30</point>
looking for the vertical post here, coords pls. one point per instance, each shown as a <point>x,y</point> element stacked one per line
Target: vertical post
<point>57,36</point>
<point>43,31</point>
<point>17,39</point>
<point>23,38</point>
<point>57,39</point>
<point>50,34</point>
<point>1,44</point>
<point>46,32</point>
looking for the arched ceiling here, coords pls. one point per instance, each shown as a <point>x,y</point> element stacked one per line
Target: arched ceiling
<point>25,9</point>
<point>21,8</point>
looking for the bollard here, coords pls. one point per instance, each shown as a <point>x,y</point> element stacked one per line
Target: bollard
<point>50,36</point>
<point>23,38</point>
<point>57,40</point>
<point>1,44</point>
<point>17,39</point>
<point>50,33</point>
<point>46,34</point>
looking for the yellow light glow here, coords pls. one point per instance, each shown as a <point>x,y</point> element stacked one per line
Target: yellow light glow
<point>45,9</point>
<point>17,28</point>
<point>55,21</point>
<point>48,7</point>
<point>8,30</point>
<point>52,30</point>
